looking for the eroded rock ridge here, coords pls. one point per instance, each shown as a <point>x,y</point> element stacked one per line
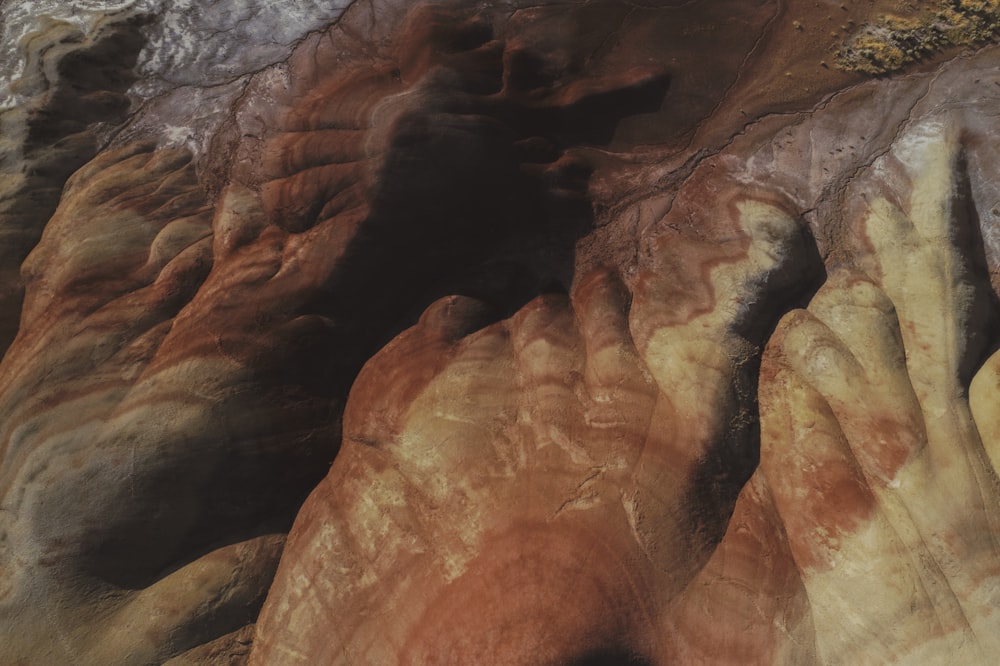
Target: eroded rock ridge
<point>515,333</point>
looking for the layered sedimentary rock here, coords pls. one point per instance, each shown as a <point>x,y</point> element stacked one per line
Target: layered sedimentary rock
<point>501,334</point>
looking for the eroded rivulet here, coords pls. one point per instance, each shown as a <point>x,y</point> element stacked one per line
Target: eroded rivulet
<point>499,333</point>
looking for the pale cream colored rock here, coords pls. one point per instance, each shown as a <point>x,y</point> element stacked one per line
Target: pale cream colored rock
<point>867,412</point>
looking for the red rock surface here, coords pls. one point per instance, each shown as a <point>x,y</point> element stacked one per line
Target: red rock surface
<point>586,333</point>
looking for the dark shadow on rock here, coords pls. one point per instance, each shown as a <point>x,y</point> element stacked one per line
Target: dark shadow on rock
<point>727,467</point>
<point>610,657</point>
<point>984,314</point>
<point>483,199</point>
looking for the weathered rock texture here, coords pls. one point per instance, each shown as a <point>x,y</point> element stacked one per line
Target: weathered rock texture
<point>499,333</point>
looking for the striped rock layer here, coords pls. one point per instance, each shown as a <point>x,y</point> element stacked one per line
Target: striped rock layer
<point>522,333</point>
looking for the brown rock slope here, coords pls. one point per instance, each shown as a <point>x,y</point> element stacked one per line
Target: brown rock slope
<point>634,334</point>
<point>73,83</point>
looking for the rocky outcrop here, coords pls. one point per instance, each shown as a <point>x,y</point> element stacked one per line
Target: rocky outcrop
<point>72,83</point>
<point>558,334</point>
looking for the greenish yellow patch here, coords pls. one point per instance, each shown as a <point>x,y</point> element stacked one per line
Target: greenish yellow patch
<point>892,42</point>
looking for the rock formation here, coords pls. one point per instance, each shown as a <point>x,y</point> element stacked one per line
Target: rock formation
<point>500,333</point>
